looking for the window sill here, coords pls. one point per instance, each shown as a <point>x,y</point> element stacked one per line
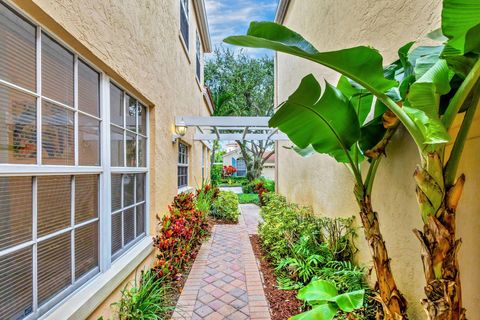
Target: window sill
<point>87,299</point>
<point>185,48</point>
<point>184,189</point>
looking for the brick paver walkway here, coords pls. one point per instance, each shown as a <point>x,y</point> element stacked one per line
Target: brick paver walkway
<point>225,281</point>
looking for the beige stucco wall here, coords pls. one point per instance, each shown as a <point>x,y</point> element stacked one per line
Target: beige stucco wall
<point>327,186</point>
<point>137,43</point>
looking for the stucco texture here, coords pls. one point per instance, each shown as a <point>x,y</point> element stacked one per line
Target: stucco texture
<point>327,186</point>
<point>137,43</point>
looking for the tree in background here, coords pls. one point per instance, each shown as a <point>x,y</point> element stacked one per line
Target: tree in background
<point>243,86</point>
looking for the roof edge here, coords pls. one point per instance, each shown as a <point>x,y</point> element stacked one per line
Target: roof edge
<point>199,6</point>
<point>281,11</point>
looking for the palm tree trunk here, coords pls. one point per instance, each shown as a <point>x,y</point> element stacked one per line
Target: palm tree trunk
<point>394,304</point>
<point>438,240</point>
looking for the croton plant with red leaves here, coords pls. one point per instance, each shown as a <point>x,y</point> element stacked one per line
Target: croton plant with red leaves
<point>260,189</point>
<point>179,234</point>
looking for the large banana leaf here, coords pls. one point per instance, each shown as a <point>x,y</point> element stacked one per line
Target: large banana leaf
<point>360,99</point>
<point>350,301</point>
<point>318,290</point>
<point>328,123</point>
<point>423,102</point>
<point>461,25</point>
<point>361,64</point>
<point>324,311</point>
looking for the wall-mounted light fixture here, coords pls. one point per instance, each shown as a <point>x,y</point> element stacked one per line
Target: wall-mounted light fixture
<point>180,131</point>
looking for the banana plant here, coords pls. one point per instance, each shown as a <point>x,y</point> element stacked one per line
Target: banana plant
<point>325,301</point>
<point>438,84</point>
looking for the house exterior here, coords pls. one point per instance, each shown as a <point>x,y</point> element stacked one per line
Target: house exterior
<point>88,152</point>
<point>234,158</point>
<point>322,183</point>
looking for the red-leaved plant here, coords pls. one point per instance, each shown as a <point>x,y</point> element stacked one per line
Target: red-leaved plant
<point>228,171</point>
<point>260,189</point>
<point>180,234</point>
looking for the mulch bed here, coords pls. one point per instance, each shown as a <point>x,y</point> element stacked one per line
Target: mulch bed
<point>283,303</point>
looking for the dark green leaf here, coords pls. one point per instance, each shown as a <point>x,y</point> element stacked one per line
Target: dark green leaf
<point>360,99</point>
<point>371,134</point>
<point>362,64</point>
<point>328,123</point>
<point>403,55</point>
<point>462,64</point>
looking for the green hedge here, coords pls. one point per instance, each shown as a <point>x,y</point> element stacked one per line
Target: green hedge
<point>225,207</point>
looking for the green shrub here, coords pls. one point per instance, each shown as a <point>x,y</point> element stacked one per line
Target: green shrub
<point>249,187</point>
<point>225,207</point>
<point>233,181</point>
<point>216,174</point>
<point>144,299</point>
<point>248,198</point>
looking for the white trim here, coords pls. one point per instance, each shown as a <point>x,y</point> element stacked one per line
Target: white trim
<point>199,7</point>
<point>91,295</point>
<point>185,189</point>
<point>240,136</point>
<point>281,12</point>
<point>185,48</point>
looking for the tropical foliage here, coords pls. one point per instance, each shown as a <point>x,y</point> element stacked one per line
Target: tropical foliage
<point>325,301</point>
<point>304,247</point>
<point>225,207</point>
<point>144,298</point>
<point>424,90</point>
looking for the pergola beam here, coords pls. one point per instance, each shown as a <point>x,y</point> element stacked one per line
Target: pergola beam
<point>222,121</point>
<point>231,128</point>
<point>240,136</point>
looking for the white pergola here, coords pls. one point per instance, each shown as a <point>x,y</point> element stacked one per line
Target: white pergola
<point>231,128</point>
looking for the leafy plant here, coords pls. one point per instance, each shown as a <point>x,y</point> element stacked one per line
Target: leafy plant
<point>424,90</point>
<point>305,262</point>
<point>184,201</point>
<point>145,298</point>
<point>228,171</point>
<point>216,174</point>
<point>325,301</point>
<point>225,207</point>
<point>179,234</point>
<point>204,198</point>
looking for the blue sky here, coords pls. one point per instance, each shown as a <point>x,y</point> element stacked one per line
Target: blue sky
<point>232,17</point>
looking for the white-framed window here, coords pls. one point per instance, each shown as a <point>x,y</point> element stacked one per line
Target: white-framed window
<point>182,165</point>
<point>55,169</point>
<point>184,23</point>
<point>128,156</point>
<point>241,167</point>
<point>198,58</point>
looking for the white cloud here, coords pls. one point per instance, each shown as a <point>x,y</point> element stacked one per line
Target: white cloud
<point>230,17</point>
